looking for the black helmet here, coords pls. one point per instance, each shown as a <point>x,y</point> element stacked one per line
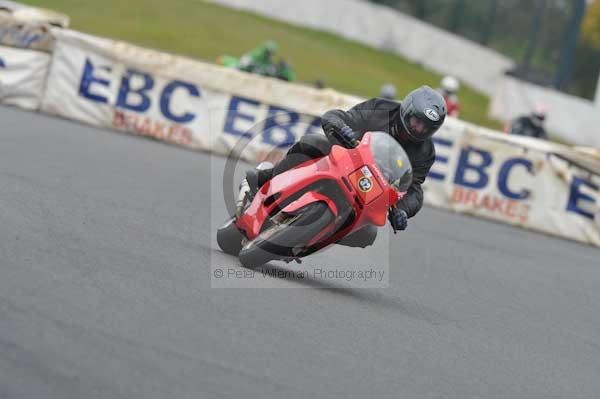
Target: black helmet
<point>423,112</point>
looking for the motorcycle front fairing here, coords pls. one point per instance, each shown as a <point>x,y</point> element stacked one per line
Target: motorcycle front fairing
<point>291,191</point>
<point>369,178</point>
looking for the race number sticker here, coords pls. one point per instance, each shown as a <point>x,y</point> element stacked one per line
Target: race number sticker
<point>364,184</point>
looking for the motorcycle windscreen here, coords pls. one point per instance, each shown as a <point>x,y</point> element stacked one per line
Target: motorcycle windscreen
<point>391,160</point>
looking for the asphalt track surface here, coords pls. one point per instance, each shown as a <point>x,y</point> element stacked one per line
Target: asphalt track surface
<point>106,242</point>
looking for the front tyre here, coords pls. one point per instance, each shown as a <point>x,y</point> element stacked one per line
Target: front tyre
<point>280,240</point>
<point>230,238</point>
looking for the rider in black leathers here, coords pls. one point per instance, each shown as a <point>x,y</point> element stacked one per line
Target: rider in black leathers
<point>411,122</point>
<point>530,126</point>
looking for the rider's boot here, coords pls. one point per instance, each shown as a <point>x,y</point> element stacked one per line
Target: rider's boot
<point>255,178</point>
<point>258,176</point>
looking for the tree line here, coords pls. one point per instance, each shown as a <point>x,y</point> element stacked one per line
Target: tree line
<point>555,43</point>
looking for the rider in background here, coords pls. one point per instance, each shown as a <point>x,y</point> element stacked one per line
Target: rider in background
<point>531,125</point>
<point>448,89</point>
<point>260,59</point>
<point>412,123</point>
<point>388,91</point>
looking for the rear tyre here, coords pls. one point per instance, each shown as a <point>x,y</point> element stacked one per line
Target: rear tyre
<point>230,238</point>
<point>278,241</point>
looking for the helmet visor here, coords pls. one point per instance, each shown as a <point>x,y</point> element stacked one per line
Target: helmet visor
<point>417,128</point>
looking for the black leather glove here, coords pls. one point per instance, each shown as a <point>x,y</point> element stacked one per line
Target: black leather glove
<point>349,136</point>
<point>398,219</point>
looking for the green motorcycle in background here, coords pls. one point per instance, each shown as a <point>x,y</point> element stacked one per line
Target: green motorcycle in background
<point>260,62</point>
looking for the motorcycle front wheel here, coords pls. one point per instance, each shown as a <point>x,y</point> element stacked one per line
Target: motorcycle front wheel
<point>230,238</point>
<point>281,239</point>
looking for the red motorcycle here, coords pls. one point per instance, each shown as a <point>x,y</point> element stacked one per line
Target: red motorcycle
<point>318,202</point>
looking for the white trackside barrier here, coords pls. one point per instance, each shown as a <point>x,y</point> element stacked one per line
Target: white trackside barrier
<point>534,185</point>
<point>23,61</point>
<point>520,181</point>
<point>20,33</point>
<point>570,118</point>
<point>22,77</point>
<point>179,100</point>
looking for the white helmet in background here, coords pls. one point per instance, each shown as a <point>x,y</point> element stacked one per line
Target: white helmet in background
<point>388,91</point>
<point>450,84</point>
